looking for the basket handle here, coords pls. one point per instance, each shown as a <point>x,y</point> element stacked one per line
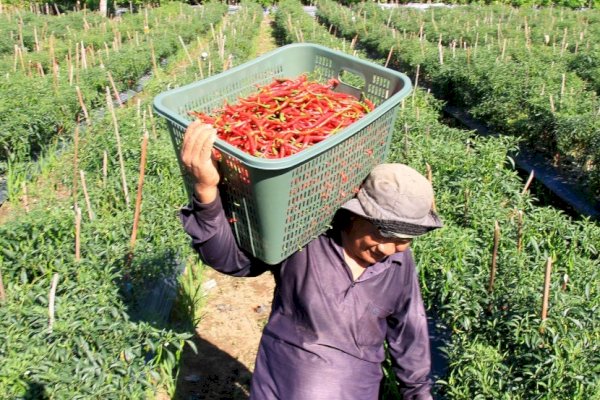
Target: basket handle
<point>352,82</point>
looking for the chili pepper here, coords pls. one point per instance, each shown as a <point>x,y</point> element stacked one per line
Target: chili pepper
<point>286,116</point>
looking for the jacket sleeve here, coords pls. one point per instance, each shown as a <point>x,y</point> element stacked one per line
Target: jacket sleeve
<point>408,339</point>
<point>213,240</point>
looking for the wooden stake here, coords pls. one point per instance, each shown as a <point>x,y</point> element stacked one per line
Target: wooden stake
<point>83,107</point>
<point>416,82</point>
<point>494,257</point>
<point>120,153</point>
<point>528,183</point>
<point>104,168</point>
<point>187,53</point>
<point>2,292</point>
<point>430,179</point>
<point>77,233</point>
<point>75,162</point>
<point>86,195</point>
<point>519,231</point>
<point>546,293</point>
<point>25,197</point>
<point>389,57</point>
<point>153,55</point>
<point>552,108</point>
<point>562,86</point>
<point>152,123</point>
<point>138,201</point>
<point>114,89</point>
<point>51,299</point>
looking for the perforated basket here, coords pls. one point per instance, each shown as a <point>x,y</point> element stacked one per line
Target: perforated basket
<point>276,206</point>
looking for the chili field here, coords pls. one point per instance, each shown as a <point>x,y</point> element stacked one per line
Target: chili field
<point>90,227</point>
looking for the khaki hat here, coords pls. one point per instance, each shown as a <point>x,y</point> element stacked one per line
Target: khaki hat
<point>397,200</point>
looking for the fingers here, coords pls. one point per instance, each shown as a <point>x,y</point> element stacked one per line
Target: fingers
<point>197,143</point>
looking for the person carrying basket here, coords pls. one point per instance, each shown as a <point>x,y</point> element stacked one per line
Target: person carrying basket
<point>339,299</point>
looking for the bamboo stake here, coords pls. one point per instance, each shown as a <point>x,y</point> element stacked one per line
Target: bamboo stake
<point>562,86</point>
<point>416,81</point>
<point>104,168</point>
<point>35,38</point>
<point>519,231</point>
<point>389,57</point>
<point>114,89</point>
<point>546,292</point>
<point>75,162</point>
<point>25,197</point>
<point>51,299</point>
<point>77,233</point>
<point>153,55</point>
<point>565,282</point>
<point>430,179</point>
<point>494,257</point>
<point>2,292</point>
<point>528,183</point>
<point>138,201</point>
<point>467,195</point>
<point>83,107</point>
<point>152,123</point>
<point>406,141</point>
<point>187,53</point>
<point>86,195</point>
<point>120,153</point>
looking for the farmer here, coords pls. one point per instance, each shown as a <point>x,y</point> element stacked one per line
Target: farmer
<point>338,299</point>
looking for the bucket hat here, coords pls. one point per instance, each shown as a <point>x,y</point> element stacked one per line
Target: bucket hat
<point>398,200</point>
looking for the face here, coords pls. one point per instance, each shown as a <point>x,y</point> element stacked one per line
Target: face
<point>363,243</point>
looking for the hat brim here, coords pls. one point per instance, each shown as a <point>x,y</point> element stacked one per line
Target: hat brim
<point>397,228</point>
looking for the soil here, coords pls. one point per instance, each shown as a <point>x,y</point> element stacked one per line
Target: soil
<point>233,316</point>
<point>227,338</point>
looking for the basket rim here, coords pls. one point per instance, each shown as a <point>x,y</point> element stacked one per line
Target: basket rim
<point>308,153</point>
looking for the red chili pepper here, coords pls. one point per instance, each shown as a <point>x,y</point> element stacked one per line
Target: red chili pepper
<point>286,116</point>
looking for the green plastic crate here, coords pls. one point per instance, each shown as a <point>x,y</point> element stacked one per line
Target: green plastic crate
<point>276,206</point>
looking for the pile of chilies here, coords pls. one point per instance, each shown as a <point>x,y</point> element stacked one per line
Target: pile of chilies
<point>285,117</point>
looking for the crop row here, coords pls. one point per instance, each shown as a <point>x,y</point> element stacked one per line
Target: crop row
<point>40,88</point>
<point>512,91</point>
<point>100,341</point>
<point>500,346</point>
<point>552,35</point>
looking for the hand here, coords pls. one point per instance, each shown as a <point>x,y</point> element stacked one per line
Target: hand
<point>196,151</point>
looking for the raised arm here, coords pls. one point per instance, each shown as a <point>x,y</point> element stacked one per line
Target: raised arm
<point>204,219</point>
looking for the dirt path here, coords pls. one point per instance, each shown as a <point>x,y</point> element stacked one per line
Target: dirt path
<point>227,337</point>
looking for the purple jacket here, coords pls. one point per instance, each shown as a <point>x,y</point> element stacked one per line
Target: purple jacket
<point>325,335</point>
